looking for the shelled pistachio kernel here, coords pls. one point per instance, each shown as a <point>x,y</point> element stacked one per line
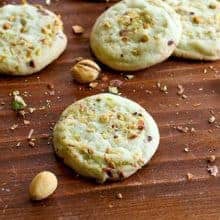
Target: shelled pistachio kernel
<point>42,185</point>
<point>85,71</point>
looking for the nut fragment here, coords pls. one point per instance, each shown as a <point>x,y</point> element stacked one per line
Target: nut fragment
<point>77,29</point>
<point>18,102</point>
<point>211,119</point>
<point>189,176</point>
<point>85,71</point>
<point>42,185</point>
<point>211,158</point>
<point>213,170</point>
<point>119,196</point>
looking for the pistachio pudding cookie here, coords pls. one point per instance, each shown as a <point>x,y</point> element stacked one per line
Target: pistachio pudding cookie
<point>135,34</point>
<point>31,37</point>
<point>105,137</point>
<point>201,28</point>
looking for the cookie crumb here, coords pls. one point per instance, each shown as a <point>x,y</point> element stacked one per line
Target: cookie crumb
<point>119,196</point>
<point>193,130</point>
<point>184,96</point>
<point>26,122</point>
<point>189,176</point>
<point>31,110</point>
<point>31,143</point>
<point>14,126</point>
<point>30,134</point>
<point>93,85</point>
<point>211,119</point>
<point>213,170</point>
<point>180,90</point>
<point>163,88</point>
<point>211,158</point>
<point>182,129</point>
<point>77,29</point>
<point>186,149</point>
<point>18,144</point>
<point>196,104</point>
<point>129,77</point>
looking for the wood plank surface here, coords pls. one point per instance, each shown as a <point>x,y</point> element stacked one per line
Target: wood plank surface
<point>161,189</point>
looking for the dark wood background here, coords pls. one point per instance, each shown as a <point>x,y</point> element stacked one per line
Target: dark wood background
<point>160,190</point>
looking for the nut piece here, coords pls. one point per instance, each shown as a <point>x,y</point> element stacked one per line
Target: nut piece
<point>18,102</point>
<point>42,185</point>
<point>85,71</point>
<point>77,29</point>
<point>211,119</point>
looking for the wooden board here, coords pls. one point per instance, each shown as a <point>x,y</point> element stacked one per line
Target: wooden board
<point>158,191</point>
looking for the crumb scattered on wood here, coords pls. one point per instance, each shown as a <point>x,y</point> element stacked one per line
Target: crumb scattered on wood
<point>148,91</point>
<point>211,119</point>
<point>18,144</point>
<point>31,110</point>
<point>14,126</point>
<point>129,77</point>
<point>180,90</point>
<point>26,122</point>
<point>182,129</point>
<point>189,176</point>
<point>213,170</point>
<point>31,142</point>
<point>211,158</point>
<point>119,196</point>
<point>30,134</point>
<point>163,88</point>
<point>77,29</point>
<point>184,96</point>
<point>93,85</point>
<point>196,104</point>
<point>186,149</point>
<point>193,130</point>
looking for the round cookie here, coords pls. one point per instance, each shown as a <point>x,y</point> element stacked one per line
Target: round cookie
<point>105,137</point>
<point>135,34</point>
<point>201,28</point>
<point>31,37</point>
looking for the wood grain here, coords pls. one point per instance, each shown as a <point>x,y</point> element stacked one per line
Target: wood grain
<point>158,191</point>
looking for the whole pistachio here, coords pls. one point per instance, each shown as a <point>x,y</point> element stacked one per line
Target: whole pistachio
<point>85,71</point>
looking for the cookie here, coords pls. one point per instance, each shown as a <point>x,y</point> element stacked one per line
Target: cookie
<point>135,34</point>
<point>105,137</point>
<point>31,38</point>
<point>201,28</point>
